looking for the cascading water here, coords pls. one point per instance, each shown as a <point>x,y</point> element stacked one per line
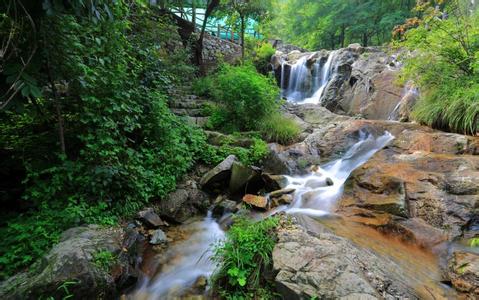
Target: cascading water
<point>313,196</point>
<point>297,80</point>
<point>192,257</point>
<point>188,260</point>
<point>297,90</point>
<point>410,92</point>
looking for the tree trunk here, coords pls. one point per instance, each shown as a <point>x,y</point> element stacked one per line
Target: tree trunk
<point>242,37</point>
<point>343,35</point>
<point>365,39</point>
<point>199,43</point>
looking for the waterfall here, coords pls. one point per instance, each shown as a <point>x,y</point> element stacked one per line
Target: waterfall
<point>282,77</point>
<point>312,197</point>
<point>410,91</point>
<point>297,89</point>
<point>297,80</point>
<point>322,81</point>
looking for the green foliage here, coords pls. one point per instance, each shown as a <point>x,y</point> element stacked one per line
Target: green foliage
<point>104,81</point>
<point>474,242</point>
<point>242,258</point>
<point>253,155</point>
<point>244,97</point>
<point>331,24</point>
<point>104,260</point>
<point>277,128</point>
<point>444,66</point>
<point>262,58</point>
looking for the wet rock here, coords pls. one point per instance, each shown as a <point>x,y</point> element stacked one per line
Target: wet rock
<point>158,237</point>
<point>293,159</point>
<point>182,204</point>
<point>327,266</point>
<point>282,200</point>
<point>225,206</point>
<point>279,193</point>
<point>150,218</point>
<point>220,173</point>
<point>463,272</point>
<point>243,177</point>
<point>256,201</point>
<point>274,182</point>
<point>201,283</point>
<point>72,260</point>
<point>319,182</point>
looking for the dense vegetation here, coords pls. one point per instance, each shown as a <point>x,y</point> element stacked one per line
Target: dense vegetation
<point>445,66</point>
<point>246,101</point>
<point>85,134</point>
<point>331,24</point>
<point>243,257</point>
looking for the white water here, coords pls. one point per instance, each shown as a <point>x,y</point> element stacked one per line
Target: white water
<point>410,91</point>
<point>189,260</point>
<point>192,257</point>
<point>300,74</point>
<point>317,201</point>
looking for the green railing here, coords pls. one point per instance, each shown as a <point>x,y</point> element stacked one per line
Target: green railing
<point>194,12</point>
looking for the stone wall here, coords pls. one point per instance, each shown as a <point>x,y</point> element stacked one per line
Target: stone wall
<point>215,49</point>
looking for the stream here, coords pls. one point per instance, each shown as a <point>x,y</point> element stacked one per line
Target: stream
<point>184,262</point>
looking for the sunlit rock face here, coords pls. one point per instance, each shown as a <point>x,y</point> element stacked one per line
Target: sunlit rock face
<point>355,81</point>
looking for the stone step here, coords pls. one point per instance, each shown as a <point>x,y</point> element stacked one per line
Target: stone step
<point>191,104</point>
<point>195,112</point>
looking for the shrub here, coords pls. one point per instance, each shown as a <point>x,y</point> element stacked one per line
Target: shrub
<point>262,59</point>
<point>242,258</point>
<point>245,96</point>
<point>277,128</point>
<point>123,145</point>
<point>444,66</point>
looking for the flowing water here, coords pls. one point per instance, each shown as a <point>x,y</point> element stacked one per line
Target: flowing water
<point>306,86</point>
<point>313,196</point>
<point>184,262</point>
<point>410,91</point>
<point>314,199</point>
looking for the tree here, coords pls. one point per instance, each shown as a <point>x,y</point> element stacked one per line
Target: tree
<point>240,11</point>
<point>335,23</point>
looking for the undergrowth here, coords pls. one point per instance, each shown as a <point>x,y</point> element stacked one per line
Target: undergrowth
<point>243,257</point>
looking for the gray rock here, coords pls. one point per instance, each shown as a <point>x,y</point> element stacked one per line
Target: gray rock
<point>241,176</point>
<point>279,193</point>
<point>225,206</point>
<point>326,266</point>
<point>463,271</point>
<point>71,260</point>
<point>274,182</point>
<point>182,204</point>
<point>150,218</point>
<point>220,173</point>
<point>158,237</point>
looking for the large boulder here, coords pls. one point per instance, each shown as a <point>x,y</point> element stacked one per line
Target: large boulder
<point>76,261</point>
<point>218,174</point>
<point>183,203</point>
<point>325,266</point>
<point>244,178</point>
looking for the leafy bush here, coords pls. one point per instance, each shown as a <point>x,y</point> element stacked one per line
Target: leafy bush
<point>244,97</point>
<point>444,66</point>
<point>277,128</point>
<point>248,156</point>
<point>262,59</point>
<point>243,257</point>
<point>123,146</point>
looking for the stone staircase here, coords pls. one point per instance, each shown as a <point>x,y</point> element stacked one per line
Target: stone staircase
<point>188,106</point>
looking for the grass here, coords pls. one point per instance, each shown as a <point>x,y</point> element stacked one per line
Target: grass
<point>277,128</point>
<point>242,258</point>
